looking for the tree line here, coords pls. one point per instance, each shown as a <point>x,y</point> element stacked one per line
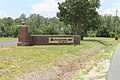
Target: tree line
<point>37,25</point>
<point>108,26</point>
<point>75,17</point>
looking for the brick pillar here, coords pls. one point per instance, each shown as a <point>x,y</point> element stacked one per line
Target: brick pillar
<point>23,35</point>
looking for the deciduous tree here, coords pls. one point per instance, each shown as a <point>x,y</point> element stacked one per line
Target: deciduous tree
<point>78,13</point>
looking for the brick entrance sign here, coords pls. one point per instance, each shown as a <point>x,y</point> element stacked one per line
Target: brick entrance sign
<point>25,40</point>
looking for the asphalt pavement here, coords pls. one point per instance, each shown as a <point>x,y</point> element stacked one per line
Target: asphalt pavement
<point>8,44</point>
<point>114,70</point>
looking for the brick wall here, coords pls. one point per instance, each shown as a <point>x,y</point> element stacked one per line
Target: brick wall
<point>22,35</point>
<point>24,39</point>
<point>44,39</point>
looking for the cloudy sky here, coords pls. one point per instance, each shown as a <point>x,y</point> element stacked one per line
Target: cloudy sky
<point>47,8</point>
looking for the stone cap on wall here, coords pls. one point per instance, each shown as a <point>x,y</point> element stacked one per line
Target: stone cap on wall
<point>55,35</point>
<point>22,25</point>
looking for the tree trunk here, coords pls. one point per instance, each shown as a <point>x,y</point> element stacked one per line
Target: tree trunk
<point>80,30</point>
<point>82,37</point>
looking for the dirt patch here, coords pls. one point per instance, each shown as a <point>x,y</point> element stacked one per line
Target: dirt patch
<point>5,49</point>
<point>68,70</point>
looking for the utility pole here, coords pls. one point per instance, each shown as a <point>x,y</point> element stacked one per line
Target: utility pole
<point>116,23</point>
<point>116,13</point>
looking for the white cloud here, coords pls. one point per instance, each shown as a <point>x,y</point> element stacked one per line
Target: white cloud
<point>103,1</point>
<point>47,8</point>
<point>112,10</point>
<point>2,14</point>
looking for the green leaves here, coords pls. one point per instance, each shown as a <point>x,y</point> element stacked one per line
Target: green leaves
<point>76,12</point>
<point>49,30</point>
<point>109,26</point>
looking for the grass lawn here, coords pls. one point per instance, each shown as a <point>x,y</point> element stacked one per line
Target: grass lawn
<point>7,40</point>
<point>18,61</point>
<point>100,62</point>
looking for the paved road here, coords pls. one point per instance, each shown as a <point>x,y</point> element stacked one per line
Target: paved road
<point>8,43</point>
<point>114,70</point>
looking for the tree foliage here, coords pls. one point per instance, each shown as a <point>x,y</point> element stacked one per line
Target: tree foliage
<point>37,25</point>
<point>79,13</point>
<point>105,26</point>
<point>108,26</point>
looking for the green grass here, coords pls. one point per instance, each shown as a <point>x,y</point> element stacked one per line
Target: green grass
<point>87,71</point>
<point>7,40</point>
<point>104,54</point>
<point>21,60</point>
<point>100,77</point>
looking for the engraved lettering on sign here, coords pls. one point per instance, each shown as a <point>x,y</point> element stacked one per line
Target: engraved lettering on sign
<point>61,40</point>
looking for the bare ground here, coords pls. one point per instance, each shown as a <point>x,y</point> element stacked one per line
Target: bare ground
<point>4,49</point>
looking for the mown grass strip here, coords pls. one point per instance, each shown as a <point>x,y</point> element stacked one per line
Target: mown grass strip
<point>2,40</point>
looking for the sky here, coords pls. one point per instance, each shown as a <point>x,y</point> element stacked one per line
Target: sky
<point>47,8</point>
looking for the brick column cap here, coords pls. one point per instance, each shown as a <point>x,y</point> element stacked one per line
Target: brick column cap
<point>22,25</point>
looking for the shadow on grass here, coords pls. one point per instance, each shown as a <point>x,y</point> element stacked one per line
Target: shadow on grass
<point>99,41</point>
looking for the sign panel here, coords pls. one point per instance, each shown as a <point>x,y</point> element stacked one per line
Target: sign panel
<point>61,40</point>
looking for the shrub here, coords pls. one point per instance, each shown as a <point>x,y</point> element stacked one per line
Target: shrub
<point>116,37</point>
